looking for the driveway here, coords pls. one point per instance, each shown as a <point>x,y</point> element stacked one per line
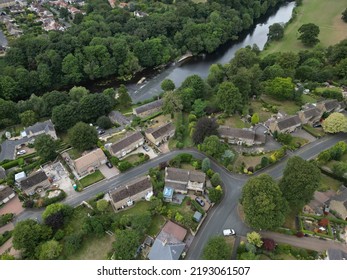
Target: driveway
<point>8,148</point>
<point>151,153</point>
<point>108,172</point>
<point>13,206</point>
<point>303,134</point>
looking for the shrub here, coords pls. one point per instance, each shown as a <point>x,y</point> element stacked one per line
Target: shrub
<point>6,218</point>
<point>264,161</point>
<point>323,222</point>
<point>269,244</point>
<point>179,145</point>
<point>114,161</point>
<point>216,180</point>
<point>209,173</point>
<point>124,165</point>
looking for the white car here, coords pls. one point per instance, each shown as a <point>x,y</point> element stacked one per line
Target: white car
<point>228,232</point>
<point>21,152</point>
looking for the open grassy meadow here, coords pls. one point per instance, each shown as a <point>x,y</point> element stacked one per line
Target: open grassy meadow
<point>325,14</point>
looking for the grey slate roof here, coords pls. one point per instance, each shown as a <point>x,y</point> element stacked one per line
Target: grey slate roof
<point>126,141</point>
<point>118,117</point>
<point>183,175</point>
<point>288,122</point>
<point>312,113</point>
<point>226,131</point>
<point>330,104</point>
<point>335,254</point>
<point>162,130</point>
<point>33,180</point>
<point>341,195</point>
<point>5,192</point>
<point>149,106</point>
<point>40,127</point>
<point>131,188</point>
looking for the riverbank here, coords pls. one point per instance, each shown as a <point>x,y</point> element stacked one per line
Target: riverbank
<point>323,13</point>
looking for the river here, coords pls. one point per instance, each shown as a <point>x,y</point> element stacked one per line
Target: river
<point>3,40</point>
<point>200,65</point>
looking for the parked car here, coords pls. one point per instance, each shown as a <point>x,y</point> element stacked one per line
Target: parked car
<point>145,148</point>
<point>200,201</point>
<point>100,132</point>
<point>109,164</point>
<point>21,152</point>
<point>228,232</point>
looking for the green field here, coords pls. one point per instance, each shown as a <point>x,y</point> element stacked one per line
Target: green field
<point>325,14</point>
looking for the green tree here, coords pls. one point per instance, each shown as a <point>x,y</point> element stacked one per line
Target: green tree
<point>76,93</point>
<point>216,180</point>
<point>167,85</point>
<point>254,238</point>
<point>27,235</point>
<point>82,136</point>
<point>93,106</point>
<point>204,128</point>
<point>65,116</point>
<point>216,75</point>
<point>199,108</point>
<point>126,244</point>
<point>344,15</point>
<point>276,32</point>
<point>255,118</point>
<point>212,146</point>
<point>28,118</point>
<point>300,179</point>
<point>172,103</point>
<point>309,34</point>
<point>45,147</point>
<point>340,168</point>
<point>280,88</point>
<point>215,194</point>
<point>336,122</point>
<point>229,98</point>
<point>50,250</point>
<point>206,164</point>
<point>263,203</point>
<point>53,99</point>
<point>102,205</point>
<point>124,97</point>
<point>104,122</point>
<point>216,249</point>
<point>51,209</point>
<point>73,242</point>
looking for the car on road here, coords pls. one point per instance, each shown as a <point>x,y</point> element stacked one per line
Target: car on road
<point>109,164</point>
<point>200,201</point>
<point>145,148</point>
<point>21,152</point>
<point>228,232</point>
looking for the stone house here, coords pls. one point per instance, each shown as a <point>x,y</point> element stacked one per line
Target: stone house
<point>331,105</point>
<point>239,136</point>
<point>127,144</point>
<point>182,180</point>
<point>89,162</point>
<point>6,194</point>
<point>148,109</point>
<point>39,128</point>
<point>161,134</point>
<point>286,125</point>
<point>36,180</point>
<point>131,192</point>
<point>310,115</point>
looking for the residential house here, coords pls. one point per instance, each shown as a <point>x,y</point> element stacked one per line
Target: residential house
<point>148,109</point>
<point>6,194</point>
<point>169,243</point>
<point>117,117</point>
<point>2,173</point>
<point>331,106</point>
<point>39,128</point>
<point>160,134</point>
<point>336,255</point>
<point>338,203</point>
<point>239,136</point>
<point>18,177</point>
<point>311,115</point>
<point>127,144</point>
<point>285,125</point>
<point>182,180</point>
<point>89,162</point>
<point>131,192</point>
<point>36,180</point>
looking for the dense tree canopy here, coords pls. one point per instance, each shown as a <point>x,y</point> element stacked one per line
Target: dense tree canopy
<point>334,123</point>
<point>45,147</point>
<point>309,34</point>
<point>83,136</point>
<point>276,32</point>
<point>300,179</point>
<point>204,127</point>
<point>263,204</point>
<point>229,98</point>
<point>216,249</point>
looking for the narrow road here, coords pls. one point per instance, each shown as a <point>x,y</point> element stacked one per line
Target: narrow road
<point>223,215</point>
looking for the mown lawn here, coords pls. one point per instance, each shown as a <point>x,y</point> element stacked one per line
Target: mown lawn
<point>74,153</point>
<point>287,106</point>
<point>92,178</point>
<point>132,158</point>
<point>328,183</point>
<point>325,14</point>
<point>235,121</point>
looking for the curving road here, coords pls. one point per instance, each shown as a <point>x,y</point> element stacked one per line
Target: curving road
<point>223,215</point>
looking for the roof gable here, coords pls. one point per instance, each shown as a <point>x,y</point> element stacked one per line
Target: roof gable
<point>288,122</point>
<point>33,180</point>
<point>126,141</point>
<point>162,130</point>
<point>149,106</point>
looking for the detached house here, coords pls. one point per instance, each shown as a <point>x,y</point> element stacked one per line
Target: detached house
<point>127,144</point>
<point>6,194</point>
<point>331,106</point>
<point>46,127</point>
<point>36,180</point>
<point>163,133</point>
<point>285,125</point>
<point>182,181</point>
<point>148,109</point>
<point>239,136</point>
<point>89,162</point>
<point>310,115</point>
<point>133,191</point>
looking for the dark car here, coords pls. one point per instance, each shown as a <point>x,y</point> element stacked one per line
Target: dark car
<point>200,201</point>
<point>109,164</point>
<point>100,132</point>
